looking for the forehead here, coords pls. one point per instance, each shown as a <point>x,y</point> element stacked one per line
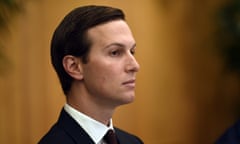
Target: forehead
<point>116,31</point>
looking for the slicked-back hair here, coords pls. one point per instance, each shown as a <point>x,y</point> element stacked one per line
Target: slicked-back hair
<point>70,37</point>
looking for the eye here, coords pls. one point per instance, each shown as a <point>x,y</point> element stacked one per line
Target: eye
<point>115,53</point>
<point>133,51</point>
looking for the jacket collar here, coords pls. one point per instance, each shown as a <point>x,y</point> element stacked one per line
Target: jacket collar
<point>71,127</point>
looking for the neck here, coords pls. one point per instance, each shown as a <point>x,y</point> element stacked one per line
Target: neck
<point>87,105</point>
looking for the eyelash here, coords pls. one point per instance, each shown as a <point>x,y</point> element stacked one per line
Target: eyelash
<point>119,52</point>
<point>133,51</point>
<point>115,53</point>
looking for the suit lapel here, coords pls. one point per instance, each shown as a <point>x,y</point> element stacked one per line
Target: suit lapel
<point>120,137</point>
<point>126,138</point>
<point>72,128</point>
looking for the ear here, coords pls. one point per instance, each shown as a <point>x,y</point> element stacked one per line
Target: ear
<point>73,66</point>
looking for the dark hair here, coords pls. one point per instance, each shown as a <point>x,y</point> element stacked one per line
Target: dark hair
<point>70,36</point>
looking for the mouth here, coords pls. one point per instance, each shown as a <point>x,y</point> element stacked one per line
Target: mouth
<point>130,83</point>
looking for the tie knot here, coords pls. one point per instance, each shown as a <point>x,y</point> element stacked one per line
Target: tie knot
<point>110,137</point>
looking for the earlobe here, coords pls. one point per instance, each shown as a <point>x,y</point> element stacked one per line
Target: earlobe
<point>73,66</point>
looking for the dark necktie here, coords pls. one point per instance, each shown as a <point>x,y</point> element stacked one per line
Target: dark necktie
<point>110,137</point>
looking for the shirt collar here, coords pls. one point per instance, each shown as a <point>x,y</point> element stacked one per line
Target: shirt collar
<point>96,130</point>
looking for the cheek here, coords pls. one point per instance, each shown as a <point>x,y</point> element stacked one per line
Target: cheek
<point>109,79</point>
<point>98,72</point>
<point>107,74</point>
<point>103,71</point>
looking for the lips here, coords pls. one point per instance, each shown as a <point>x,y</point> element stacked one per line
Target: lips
<point>130,83</point>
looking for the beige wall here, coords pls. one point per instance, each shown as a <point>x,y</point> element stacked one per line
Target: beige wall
<point>178,89</point>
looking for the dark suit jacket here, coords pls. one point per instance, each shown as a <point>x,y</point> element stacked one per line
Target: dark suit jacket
<point>68,131</point>
<point>231,136</point>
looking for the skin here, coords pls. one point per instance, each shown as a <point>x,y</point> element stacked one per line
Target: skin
<point>107,80</point>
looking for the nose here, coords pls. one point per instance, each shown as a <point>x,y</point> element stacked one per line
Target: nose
<point>132,64</point>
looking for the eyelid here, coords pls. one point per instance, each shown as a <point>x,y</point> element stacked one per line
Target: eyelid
<point>120,45</point>
<point>120,49</point>
<point>117,52</point>
<point>133,50</point>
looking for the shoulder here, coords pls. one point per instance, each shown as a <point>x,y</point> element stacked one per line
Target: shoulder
<point>56,135</point>
<point>66,131</point>
<point>125,137</point>
<point>232,135</point>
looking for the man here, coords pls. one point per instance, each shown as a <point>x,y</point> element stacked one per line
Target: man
<point>92,51</point>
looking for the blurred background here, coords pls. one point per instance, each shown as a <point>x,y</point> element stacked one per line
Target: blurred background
<point>188,88</point>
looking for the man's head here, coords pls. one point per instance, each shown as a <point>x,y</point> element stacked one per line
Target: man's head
<point>70,37</point>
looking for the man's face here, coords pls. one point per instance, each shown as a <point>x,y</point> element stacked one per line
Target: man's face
<point>110,73</point>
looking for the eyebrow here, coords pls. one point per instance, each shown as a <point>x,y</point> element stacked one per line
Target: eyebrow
<point>120,45</point>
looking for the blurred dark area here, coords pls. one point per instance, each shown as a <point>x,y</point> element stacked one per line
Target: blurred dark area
<point>228,35</point>
<point>8,10</point>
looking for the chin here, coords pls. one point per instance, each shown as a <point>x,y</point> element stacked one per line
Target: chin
<point>128,99</point>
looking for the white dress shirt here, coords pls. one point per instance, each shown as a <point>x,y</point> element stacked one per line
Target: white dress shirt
<point>96,130</point>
